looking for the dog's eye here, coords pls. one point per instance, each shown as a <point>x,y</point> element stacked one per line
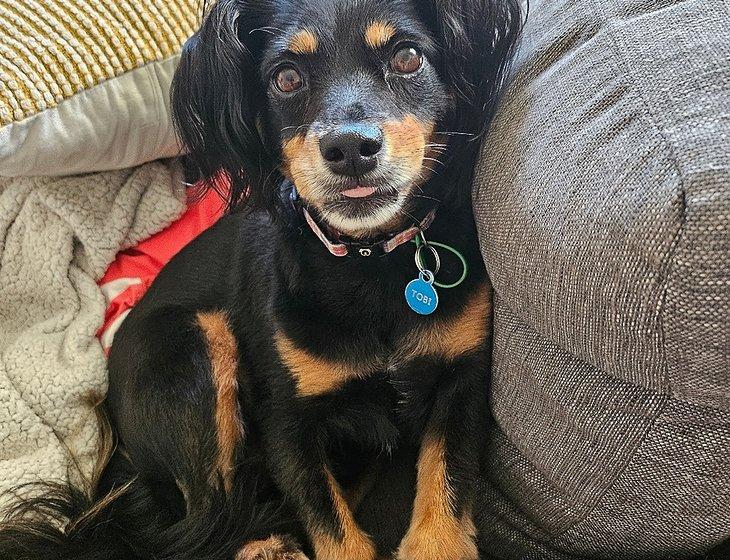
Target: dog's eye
<point>288,80</point>
<point>407,60</point>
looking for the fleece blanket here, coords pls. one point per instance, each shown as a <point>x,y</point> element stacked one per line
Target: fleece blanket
<point>57,237</point>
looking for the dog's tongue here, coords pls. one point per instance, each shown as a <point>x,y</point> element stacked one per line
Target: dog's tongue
<point>359,192</point>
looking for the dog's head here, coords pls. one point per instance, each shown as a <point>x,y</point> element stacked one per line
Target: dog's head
<point>366,105</point>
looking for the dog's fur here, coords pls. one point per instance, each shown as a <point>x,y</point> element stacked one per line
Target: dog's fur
<point>265,387</point>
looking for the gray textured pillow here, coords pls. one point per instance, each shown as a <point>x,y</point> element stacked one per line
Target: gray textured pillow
<point>603,205</point>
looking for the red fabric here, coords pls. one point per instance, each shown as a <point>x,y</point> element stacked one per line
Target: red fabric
<point>133,271</point>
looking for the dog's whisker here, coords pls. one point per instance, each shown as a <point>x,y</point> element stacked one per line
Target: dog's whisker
<point>408,215</point>
<point>294,128</point>
<point>427,197</point>
<point>454,133</point>
<point>421,192</point>
<point>435,160</point>
<point>269,175</point>
<point>434,171</point>
<point>267,29</point>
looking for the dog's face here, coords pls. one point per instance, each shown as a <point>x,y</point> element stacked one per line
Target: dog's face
<point>354,98</point>
<point>361,103</point>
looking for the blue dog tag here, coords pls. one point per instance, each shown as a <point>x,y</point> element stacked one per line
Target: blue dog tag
<point>421,296</point>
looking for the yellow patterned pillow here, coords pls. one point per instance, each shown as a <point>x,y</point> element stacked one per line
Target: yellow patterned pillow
<point>84,84</point>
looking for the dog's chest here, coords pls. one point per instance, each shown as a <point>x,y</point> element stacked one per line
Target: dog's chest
<point>435,341</point>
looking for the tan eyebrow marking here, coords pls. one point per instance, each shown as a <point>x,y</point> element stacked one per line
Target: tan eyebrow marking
<point>303,42</point>
<point>378,33</point>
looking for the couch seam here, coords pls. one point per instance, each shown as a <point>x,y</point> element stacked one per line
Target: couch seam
<point>630,453</point>
<point>548,541</point>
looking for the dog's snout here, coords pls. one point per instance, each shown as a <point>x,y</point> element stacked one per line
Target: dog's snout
<point>352,149</point>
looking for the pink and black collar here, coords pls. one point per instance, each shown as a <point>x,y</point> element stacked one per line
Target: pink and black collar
<point>380,247</point>
<point>342,246</point>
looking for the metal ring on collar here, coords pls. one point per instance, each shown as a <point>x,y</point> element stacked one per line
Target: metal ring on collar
<point>419,261</point>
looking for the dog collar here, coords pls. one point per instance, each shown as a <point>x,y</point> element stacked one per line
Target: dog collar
<point>382,247</point>
<point>294,209</point>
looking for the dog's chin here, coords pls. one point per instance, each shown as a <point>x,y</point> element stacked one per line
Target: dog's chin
<point>365,217</point>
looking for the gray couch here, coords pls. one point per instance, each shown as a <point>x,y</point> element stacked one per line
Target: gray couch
<point>603,204</point>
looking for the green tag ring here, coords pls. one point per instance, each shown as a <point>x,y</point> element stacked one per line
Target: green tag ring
<point>418,241</point>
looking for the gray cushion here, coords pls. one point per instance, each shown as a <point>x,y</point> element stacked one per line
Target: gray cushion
<point>602,202</point>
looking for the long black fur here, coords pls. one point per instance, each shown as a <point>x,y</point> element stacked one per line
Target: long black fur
<point>119,516</point>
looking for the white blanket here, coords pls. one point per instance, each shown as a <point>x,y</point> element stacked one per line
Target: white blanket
<point>57,237</point>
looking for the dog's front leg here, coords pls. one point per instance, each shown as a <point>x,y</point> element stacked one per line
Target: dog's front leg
<point>300,469</point>
<point>441,525</point>
<point>298,459</point>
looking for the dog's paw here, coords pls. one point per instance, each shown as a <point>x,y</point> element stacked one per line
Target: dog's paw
<point>275,547</point>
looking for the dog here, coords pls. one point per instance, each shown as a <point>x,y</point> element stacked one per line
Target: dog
<point>336,318</point>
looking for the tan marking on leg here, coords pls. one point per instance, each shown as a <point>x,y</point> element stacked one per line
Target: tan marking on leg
<point>303,42</point>
<point>456,336</point>
<point>435,531</point>
<point>223,354</point>
<point>273,548</point>
<point>354,545</point>
<point>379,33</point>
<point>315,375</point>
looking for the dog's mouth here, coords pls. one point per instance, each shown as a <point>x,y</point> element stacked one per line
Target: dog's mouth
<point>366,207</point>
<point>359,208</point>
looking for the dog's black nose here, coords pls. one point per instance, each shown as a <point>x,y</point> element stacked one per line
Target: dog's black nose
<point>352,149</point>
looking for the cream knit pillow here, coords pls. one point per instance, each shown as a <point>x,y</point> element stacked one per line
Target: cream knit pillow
<point>84,84</point>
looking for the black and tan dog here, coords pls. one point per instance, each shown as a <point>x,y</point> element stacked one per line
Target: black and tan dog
<point>275,365</point>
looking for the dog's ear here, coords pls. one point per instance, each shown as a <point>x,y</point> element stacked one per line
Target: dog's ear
<point>477,39</point>
<point>216,98</point>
